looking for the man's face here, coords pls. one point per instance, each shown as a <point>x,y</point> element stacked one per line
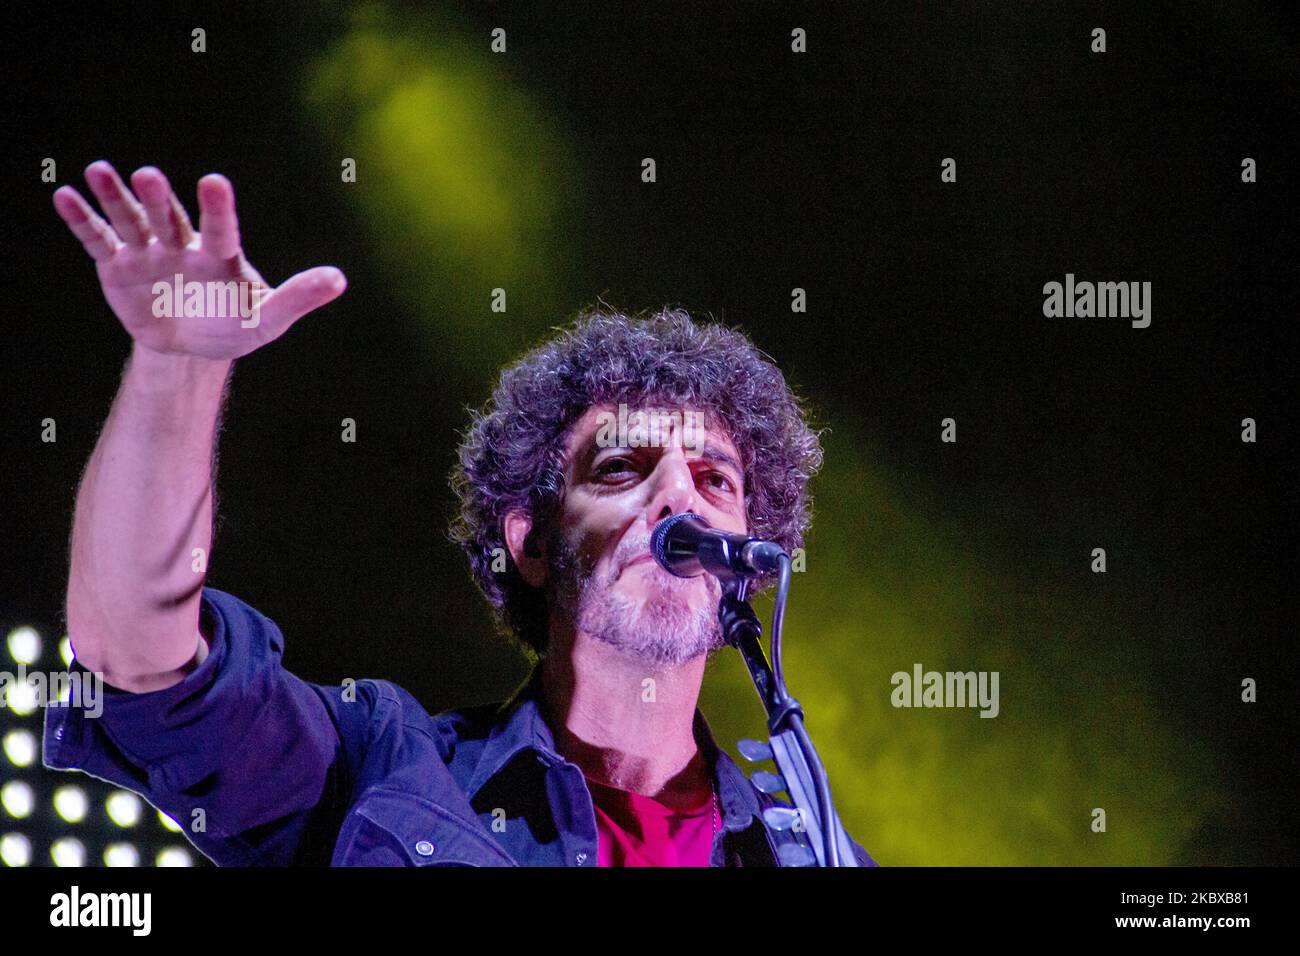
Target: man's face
<point>602,577</point>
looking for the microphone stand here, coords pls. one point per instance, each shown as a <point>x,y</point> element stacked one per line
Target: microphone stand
<point>802,775</point>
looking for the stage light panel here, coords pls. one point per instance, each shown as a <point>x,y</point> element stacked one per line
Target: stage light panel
<point>21,698</point>
<point>17,798</point>
<point>124,808</point>
<point>71,804</point>
<point>121,854</point>
<point>24,645</point>
<point>20,747</point>
<point>15,850</point>
<point>68,851</point>
<point>173,856</point>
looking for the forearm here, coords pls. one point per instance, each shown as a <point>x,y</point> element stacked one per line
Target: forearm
<point>143,508</point>
<point>143,524</point>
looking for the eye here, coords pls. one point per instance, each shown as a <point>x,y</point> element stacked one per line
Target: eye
<point>720,481</point>
<point>613,467</point>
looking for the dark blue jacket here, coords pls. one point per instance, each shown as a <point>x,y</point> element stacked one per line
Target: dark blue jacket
<point>262,768</point>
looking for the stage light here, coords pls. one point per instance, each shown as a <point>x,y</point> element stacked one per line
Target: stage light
<point>68,851</point>
<point>22,698</point>
<point>65,651</point>
<point>450,148</point>
<point>71,804</point>
<point>121,854</point>
<point>15,850</point>
<point>17,798</point>
<point>173,856</point>
<point>20,747</point>
<point>168,823</point>
<point>124,808</point>
<point>24,645</point>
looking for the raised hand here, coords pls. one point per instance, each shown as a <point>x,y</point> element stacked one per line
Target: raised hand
<point>148,241</point>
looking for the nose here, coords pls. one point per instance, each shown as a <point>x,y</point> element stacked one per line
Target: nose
<point>673,488</point>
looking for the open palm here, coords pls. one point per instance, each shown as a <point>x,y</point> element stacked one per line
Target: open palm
<point>226,309</point>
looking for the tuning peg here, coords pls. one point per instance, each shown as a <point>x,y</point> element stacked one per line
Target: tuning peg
<point>754,750</point>
<point>767,782</point>
<point>780,818</point>
<point>796,854</point>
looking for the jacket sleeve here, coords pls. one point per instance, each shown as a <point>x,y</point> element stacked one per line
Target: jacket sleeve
<point>255,764</point>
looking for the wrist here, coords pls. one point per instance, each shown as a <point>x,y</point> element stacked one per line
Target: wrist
<point>169,371</point>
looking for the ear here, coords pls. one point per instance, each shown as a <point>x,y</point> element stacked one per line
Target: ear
<point>525,548</point>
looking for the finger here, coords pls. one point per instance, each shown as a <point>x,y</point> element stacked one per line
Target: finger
<point>218,224</point>
<point>96,236</point>
<point>182,218</point>
<point>126,215</point>
<point>162,207</point>
<point>300,294</point>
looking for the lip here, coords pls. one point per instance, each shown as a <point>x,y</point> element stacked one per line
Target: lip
<point>640,559</point>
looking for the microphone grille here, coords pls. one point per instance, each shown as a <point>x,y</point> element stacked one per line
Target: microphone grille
<point>659,537</point>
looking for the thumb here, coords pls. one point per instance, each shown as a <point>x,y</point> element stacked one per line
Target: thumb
<point>300,294</point>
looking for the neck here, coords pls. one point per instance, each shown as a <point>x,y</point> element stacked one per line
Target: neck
<point>626,723</point>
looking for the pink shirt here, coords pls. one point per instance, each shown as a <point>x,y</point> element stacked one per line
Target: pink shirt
<point>636,830</point>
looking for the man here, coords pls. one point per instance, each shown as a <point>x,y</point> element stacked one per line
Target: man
<point>600,758</point>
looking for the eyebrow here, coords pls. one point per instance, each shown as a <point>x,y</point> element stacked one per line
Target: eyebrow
<point>720,457</point>
<point>711,451</point>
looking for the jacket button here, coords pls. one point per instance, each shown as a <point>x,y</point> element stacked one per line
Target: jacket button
<point>424,848</point>
<point>581,858</point>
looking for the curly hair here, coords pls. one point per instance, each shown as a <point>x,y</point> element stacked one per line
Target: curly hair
<point>511,457</point>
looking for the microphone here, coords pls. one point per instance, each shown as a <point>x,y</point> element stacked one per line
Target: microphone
<point>686,545</point>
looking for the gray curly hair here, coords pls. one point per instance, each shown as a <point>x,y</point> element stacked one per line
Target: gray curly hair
<point>511,457</point>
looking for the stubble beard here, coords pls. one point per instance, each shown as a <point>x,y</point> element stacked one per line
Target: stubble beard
<point>664,630</point>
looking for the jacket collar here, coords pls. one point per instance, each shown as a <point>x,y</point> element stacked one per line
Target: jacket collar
<point>520,726</point>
